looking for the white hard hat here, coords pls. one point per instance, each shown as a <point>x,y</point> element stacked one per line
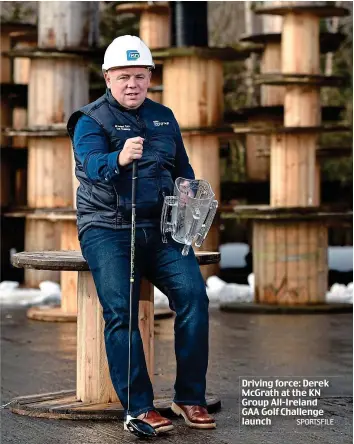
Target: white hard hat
<point>127,50</point>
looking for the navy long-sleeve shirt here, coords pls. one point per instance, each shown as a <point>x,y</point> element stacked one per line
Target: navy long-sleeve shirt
<point>92,150</point>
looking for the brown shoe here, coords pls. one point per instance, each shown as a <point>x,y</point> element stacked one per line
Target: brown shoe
<point>195,416</point>
<point>158,422</point>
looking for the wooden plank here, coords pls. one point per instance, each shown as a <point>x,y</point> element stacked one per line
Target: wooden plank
<point>139,7</point>
<point>19,120</point>
<point>52,402</point>
<point>303,268</point>
<point>81,329</point>
<point>312,262</point>
<point>271,63</point>
<point>304,80</point>
<point>322,265</point>
<point>258,248</point>
<point>278,177</point>
<point>329,41</point>
<point>268,255</point>
<point>292,189</point>
<point>294,293</point>
<point>73,260</point>
<point>318,9</point>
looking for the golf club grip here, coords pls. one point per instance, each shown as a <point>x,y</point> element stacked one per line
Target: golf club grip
<point>134,177</point>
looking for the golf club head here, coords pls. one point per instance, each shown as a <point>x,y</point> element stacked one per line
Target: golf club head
<point>140,428</point>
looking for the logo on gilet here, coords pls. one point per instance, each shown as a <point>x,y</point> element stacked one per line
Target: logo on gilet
<point>132,54</point>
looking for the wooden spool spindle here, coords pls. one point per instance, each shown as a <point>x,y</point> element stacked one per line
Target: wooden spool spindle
<point>292,179</point>
<point>155,28</point>
<point>65,25</point>
<point>57,87</point>
<point>202,103</point>
<point>93,382</point>
<point>68,279</point>
<point>41,234</point>
<point>290,263</point>
<point>49,159</point>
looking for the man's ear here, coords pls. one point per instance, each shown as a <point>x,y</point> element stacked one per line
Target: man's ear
<point>107,79</point>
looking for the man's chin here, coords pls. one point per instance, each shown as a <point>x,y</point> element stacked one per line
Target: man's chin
<point>133,103</point>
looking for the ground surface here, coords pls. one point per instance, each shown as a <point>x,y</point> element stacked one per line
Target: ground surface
<point>39,357</point>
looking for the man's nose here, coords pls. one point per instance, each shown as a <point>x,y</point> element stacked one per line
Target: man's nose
<point>132,82</point>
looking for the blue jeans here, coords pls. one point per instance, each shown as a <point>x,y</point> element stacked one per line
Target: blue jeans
<point>108,255</point>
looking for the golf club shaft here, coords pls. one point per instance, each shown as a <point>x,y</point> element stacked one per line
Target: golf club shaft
<point>132,254</point>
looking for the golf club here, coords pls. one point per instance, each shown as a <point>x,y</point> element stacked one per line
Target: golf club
<point>136,426</point>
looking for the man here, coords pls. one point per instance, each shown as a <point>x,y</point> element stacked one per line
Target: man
<point>108,135</point>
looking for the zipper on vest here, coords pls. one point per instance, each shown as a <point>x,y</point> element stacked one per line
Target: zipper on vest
<point>142,126</point>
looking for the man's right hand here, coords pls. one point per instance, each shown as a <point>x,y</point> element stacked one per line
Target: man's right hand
<point>132,150</point>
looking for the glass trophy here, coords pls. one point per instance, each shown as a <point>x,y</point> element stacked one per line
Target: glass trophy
<point>189,213</point>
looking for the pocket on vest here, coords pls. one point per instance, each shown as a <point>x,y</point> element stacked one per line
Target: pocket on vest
<point>167,184</point>
<point>147,198</point>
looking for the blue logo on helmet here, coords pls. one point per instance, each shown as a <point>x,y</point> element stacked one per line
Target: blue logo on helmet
<point>132,54</point>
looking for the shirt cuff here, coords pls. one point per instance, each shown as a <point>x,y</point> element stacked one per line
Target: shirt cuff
<point>113,166</point>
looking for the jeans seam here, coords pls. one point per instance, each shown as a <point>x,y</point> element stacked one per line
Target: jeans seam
<point>145,235</point>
